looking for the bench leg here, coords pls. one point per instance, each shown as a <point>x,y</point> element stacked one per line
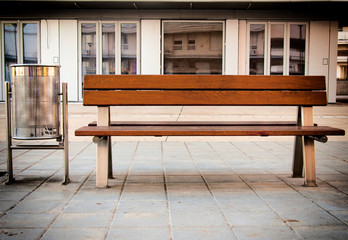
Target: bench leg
<point>297,165</point>
<point>309,162</point>
<point>102,163</point>
<point>110,175</point>
<point>103,149</point>
<point>309,150</point>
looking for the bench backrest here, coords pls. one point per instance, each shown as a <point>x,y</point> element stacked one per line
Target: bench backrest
<point>115,90</point>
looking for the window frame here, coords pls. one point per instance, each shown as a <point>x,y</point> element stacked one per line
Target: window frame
<point>267,42</point>
<point>99,48</point>
<point>20,53</point>
<point>223,51</point>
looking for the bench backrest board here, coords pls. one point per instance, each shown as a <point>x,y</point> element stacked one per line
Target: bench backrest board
<point>114,90</point>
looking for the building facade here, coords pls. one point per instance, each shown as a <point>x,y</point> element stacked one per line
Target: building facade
<point>172,37</point>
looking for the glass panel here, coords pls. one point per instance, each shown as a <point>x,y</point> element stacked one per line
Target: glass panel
<point>128,48</point>
<point>10,48</point>
<point>30,43</point>
<point>88,48</point>
<point>257,49</point>
<point>193,47</point>
<point>108,43</point>
<point>277,49</point>
<point>297,49</point>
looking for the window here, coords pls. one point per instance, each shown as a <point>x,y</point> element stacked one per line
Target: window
<point>108,48</point>
<point>191,43</point>
<point>193,47</point>
<point>20,44</point>
<point>177,45</point>
<point>277,48</point>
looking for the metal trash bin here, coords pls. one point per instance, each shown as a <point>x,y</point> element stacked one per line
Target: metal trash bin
<point>35,101</point>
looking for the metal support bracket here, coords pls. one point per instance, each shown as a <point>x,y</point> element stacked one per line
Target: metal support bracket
<point>98,139</point>
<point>322,139</point>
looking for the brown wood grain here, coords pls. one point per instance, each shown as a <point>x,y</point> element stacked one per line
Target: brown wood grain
<point>236,98</point>
<point>198,123</point>
<point>207,131</point>
<point>242,82</point>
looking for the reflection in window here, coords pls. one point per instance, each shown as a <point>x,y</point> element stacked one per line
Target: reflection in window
<point>193,47</point>
<point>257,49</point>
<point>277,49</point>
<point>10,48</point>
<point>30,43</point>
<point>191,42</point>
<point>297,49</point>
<point>88,48</point>
<point>108,44</point>
<point>129,48</point>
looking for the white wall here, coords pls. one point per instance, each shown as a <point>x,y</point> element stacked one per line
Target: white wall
<point>68,57</point>
<point>231,56</point>
<point>333,61</point>
<point>319,49</point>
<point>150,47</point>
<point>49,42</point>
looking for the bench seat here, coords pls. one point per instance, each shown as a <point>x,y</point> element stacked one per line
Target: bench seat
<point>206,130</point>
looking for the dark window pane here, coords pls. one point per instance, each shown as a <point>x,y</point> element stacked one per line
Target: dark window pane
<point>277,49</point>
<point>88,48</point>
<point>30,43</point>
<point>297,49</point>
<point>10,48</point>
<point>108,43</point>
<point>128,48</point>
<point>257,49</point>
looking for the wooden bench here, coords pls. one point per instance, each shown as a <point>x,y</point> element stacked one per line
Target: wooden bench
<point>199,90</point>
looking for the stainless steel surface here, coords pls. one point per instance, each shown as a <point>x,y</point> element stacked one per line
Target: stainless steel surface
<point>65,133</point>
<point>10,178</point>
<point>37,147</point>
<point>35,101</point>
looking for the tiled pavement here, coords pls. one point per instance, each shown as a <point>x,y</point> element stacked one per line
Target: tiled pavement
<point>176,190</point>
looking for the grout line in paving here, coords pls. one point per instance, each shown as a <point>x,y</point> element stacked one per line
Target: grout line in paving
<point>121,192</point>
<point>69,200</point>
<point>275,212</point>
<point>5,149</point>
<point>210,191</point>
<point>314,201</point>
<point>22,170</point>
<point>39,185</point>
<point>306,196</point>
<point>333,186</point>
<point>170,229</point>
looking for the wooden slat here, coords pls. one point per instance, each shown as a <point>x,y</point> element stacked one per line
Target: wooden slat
<point>207,131</point>
<point>267,98</point>
<point>243,82</point>
<point>198,123</point>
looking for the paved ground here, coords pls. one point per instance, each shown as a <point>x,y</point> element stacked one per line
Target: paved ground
<point>180,188</point>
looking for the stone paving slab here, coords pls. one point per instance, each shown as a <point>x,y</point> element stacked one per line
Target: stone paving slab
<point>177,190</point>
